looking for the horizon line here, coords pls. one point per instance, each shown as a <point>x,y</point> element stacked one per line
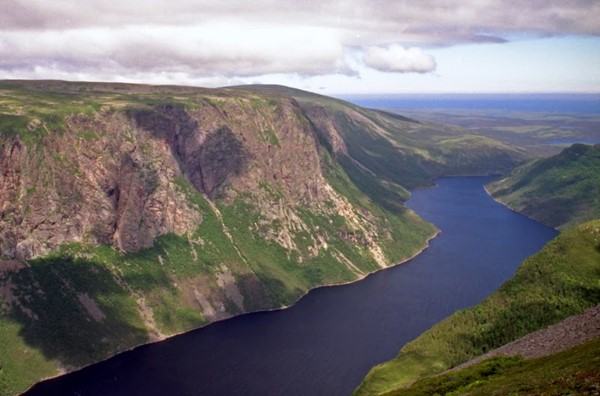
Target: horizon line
<point>319,92</point>
<point>586,93</point>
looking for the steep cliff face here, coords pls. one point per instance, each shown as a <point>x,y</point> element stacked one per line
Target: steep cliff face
<point>109,178</point>
<point>98,181</point>
<point>130,213</point>
<point>394,148</point>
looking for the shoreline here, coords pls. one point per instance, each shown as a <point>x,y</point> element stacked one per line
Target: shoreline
<point>327,285</point>
<point>515,210</point>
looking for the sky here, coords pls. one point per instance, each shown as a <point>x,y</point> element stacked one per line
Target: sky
<point>330,47</point>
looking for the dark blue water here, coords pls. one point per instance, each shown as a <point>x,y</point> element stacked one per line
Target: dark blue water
<point>553,103</point>
<point>326,343</point>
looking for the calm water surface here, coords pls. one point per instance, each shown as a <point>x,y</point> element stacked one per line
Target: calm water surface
<point>326,343</point>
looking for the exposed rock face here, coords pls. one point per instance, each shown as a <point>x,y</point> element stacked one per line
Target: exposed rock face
<point>116,184</point>
<point>221,156</point>
<point>327,127</point>
<point>110,176</point>
<point>115,188</point>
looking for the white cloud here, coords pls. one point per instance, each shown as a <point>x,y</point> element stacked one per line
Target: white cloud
<point>439,21</point>
<point>208,39</point>
<point>396,58</point>
<point>207,49</point>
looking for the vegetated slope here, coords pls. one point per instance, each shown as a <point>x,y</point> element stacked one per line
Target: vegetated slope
<point>575,371</point>
<point>559,191</point>
<point>559,281</point>
<point>572,331</point>
<point>129,213</point>
<point>541,134</point>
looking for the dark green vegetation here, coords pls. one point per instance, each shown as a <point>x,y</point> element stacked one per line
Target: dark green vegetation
<point>558,191</point>
<point>574,371</point>
<point>559,281</point>
<point>129,213</point>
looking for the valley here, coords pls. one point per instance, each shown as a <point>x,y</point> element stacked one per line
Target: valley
<point>556,284</point>
<point>299,198</point>
<point>131,213</point>
<point>546,289</point>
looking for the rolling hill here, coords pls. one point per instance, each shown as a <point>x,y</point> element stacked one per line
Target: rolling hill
<point>559,191</point>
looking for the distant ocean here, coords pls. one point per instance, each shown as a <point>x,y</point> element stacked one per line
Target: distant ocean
<point>553,103</point>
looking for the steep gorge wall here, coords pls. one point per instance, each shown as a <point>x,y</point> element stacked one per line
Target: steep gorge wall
<point>127,217</point>
<point>110,178</point>
<point>100,181</point>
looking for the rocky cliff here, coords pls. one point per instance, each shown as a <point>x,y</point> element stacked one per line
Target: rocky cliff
<point>129,213</point>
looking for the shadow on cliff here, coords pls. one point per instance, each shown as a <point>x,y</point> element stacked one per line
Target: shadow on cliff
<point>207,157</point>
<point>373,188</point>
<point>73,311</point>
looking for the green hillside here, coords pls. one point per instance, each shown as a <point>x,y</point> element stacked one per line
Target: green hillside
<point>559,281</point>
<point>572,372</point>
<point>559,191</point>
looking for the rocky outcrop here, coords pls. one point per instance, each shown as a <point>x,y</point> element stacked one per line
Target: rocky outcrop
<point>110,176</point>
<point>327,128</point>
<point>115,187</point>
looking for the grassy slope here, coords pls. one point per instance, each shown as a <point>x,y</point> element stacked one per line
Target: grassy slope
<point>574,371</point>
<point>60,334</point>
<point>559,281</point>
<point>538,133</point>
<point>559,191</point>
